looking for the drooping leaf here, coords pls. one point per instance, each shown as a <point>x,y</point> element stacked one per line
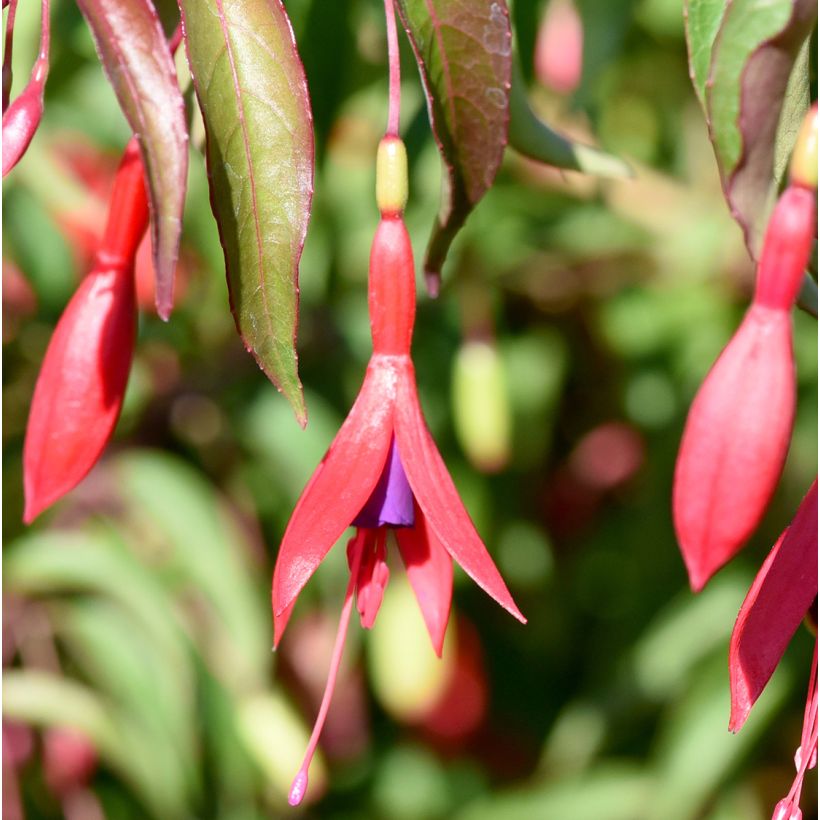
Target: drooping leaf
<point>254,99</point>
<point>136,58</point>
<point>464,52</point>
<point>742,55</point>
<point>535,139</point>
<point>45,700</point>
<point>205,548</point>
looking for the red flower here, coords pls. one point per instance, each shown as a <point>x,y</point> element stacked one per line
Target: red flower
<point>777,602</point>
<point>81,385</point>
<point>383,471</point>
<point>739,426</point>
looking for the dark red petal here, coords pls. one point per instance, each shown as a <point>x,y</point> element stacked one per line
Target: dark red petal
<point>438,498</point>
<point>80,388</point>
<point>430,572</point>
<point>776,604</point>
<point>339,488</point>
<point>734,444</point>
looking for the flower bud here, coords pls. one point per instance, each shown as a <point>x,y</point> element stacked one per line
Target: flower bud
<point>740,424</point>
<point>803,168</point>
<point>559,47</point>
<point>391,176</point>
<point>481,409</point>
<point>20,121</point>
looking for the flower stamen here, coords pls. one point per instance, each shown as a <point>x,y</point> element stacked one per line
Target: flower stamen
<point>300,782</point>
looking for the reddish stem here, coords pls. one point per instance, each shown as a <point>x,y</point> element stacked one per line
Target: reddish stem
<point>395,64</point>
<point>7,53</point>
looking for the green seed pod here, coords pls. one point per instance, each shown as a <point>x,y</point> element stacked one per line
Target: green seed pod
<point>481,409</point>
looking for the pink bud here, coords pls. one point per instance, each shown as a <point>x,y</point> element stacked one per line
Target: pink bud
<point>21,120</point>
<point>740,424</point>
<point>69,760</point>
<point>559,47</point>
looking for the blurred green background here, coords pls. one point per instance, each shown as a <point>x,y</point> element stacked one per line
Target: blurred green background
<point>576,321</point>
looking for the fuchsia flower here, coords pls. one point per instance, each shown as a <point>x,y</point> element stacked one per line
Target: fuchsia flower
<point>81,384</point>
<point>740,424</point>
<point>778,600</point>
<point>776,604</point>
<point>383,473</point>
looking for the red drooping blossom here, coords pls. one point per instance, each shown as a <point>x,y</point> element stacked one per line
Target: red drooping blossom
<point>776,604</point>
<point>740,424</point>
<point>80,388</point>
<point>782,593</point>
<point>383,473</point>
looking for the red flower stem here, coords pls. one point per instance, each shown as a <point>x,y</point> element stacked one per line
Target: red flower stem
<point>7,53</point>
<point>394,105</point>
<point>300,782</point>
<point>41,66</point>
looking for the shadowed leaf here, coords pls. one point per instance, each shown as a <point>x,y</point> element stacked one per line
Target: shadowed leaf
<point>742,57</point>
<point>136,58</point>
<point>254,99</point>
<point>464,52</point>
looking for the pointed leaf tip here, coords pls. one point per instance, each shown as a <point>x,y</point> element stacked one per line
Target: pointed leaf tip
<point>465,59</point>
<point>258,123</point>
<point>533,138</point>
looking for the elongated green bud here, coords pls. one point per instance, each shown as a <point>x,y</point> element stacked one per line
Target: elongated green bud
<point>803,168</point>
<point>481,409</point>
<point>391,176</point>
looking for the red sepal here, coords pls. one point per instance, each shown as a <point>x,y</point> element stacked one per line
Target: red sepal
<point>774,607</point>
<point>734,444</point>
<point>80,389</point>
<point>430,572</point>
<point>438,498</point>
<point>338,488</point>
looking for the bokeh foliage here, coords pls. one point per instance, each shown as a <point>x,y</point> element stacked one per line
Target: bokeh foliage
<point>137,611</point>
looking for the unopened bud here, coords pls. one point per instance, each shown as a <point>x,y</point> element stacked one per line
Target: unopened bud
<point>391,176</point>
<point>481,410</point>
<point>803,168</point>
<point>20,121</point>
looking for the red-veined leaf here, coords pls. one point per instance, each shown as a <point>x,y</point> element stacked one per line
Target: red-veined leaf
<point>138,62</point>
<point>748,73</point>
<point>464,52</point>
<point>254,99</point>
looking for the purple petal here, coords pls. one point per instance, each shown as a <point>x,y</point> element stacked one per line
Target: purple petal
<point>391,503</point>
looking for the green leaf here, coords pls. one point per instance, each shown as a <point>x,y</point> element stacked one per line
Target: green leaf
<point>696,751</point>
<point>136,58</point>
<point>464,52</point>
<point>613,791</point>
<point>111,649</point>
<point>535,139</point>
<point>752,103</point>
<point>46,700</point>
<point>204,548</point>
<point>63,562</point>
<point>254,99</point>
